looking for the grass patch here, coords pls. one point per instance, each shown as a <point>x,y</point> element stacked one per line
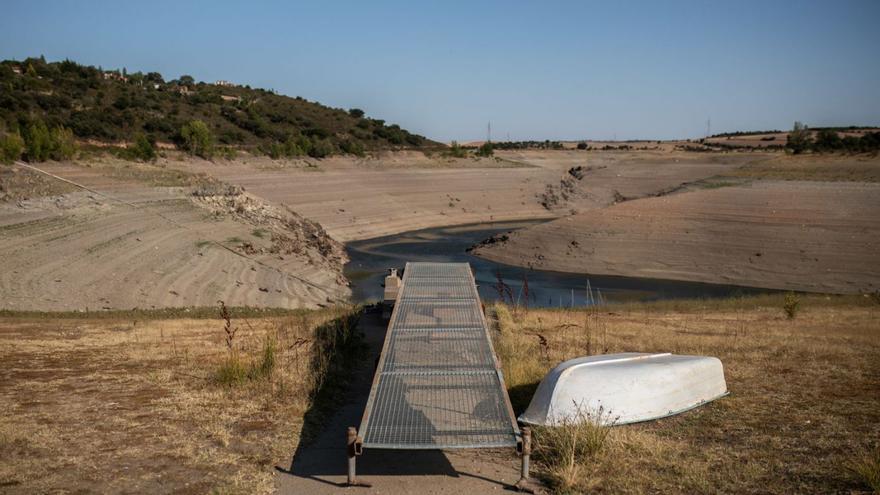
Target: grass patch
<point>260,233</point>
<point>866,468</point>
<point>123,397</point>
<point>837,168</point>
<point>803,394</point>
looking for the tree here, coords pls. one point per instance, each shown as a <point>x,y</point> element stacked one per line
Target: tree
<point>61,144</point>
<point>198,139</point>
<point>11,146</point>
<point>143,148</point>
<point>37,142</point>
<point>356,113</point>
<point>154,77</point>
<point>186,80</point>
<point>799,138</point>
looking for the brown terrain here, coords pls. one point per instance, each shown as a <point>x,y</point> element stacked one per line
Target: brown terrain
<point>160,401</point>
<point>174,234</point>
<point>806,236</point>
<point>127,243</point>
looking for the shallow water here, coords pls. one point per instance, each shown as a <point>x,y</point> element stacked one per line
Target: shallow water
<point>371,258</point>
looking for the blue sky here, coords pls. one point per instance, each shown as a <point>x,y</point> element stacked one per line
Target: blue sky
<point>536,70</point>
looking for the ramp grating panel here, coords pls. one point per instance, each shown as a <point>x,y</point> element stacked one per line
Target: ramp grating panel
<point>438,385</point>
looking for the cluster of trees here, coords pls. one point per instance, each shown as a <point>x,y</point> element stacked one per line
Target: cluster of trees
<point>521,145</point>
<point>827,140</point>
<point>36,142</point>
<point>119,107</point>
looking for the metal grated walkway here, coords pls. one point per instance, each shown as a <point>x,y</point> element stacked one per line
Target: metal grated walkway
<point>438,384</point>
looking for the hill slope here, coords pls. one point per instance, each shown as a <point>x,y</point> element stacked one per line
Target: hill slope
<point>112,106</point>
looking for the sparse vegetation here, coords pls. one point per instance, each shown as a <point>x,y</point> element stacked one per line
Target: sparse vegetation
<point>866,467</point>
<point>11,147</point>
<point>776,433</point>
<point>222,430</point>
<point>566,449</point>
<point>790,305</point>
<point>197,139</point>
<point>455,151</point>
<point>799,139</point>
<point>116,106</point>
<point>485,150</point>
<point>143,149</point>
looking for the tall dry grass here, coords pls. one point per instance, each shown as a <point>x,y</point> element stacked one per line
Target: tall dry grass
<point>805,393</point>
<point>131,403</point>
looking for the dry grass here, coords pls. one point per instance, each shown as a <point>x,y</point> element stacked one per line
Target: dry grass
<point>867,467</point>
<point>804,403</point>
<point>116,404</point>
<point>819,167</point>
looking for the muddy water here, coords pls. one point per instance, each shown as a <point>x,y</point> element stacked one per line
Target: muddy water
<point>371,258</point>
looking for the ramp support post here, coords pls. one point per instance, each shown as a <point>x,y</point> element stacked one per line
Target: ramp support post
<point>523,483</point>
<point>351,450</point>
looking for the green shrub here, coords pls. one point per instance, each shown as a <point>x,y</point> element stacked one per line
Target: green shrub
<point>236,370</point>
<point>352,147</point>
<point>62,146</point>
<point>321,148</point>
<point>37,142</point>
<point>293,147</point>
<point>232,372</point>
<point>485,150</point>
<point>198,139</point>
<point>456,151</point>
<point>143,149</point>
<point>11,147</point>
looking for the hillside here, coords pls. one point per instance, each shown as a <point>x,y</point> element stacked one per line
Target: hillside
<point>116,107</point>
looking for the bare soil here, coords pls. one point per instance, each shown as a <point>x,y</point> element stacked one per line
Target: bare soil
<point>798,235</point>
<point>357,199</point>
<point>159,246</point>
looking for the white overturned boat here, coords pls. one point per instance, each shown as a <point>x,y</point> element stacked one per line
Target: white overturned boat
<point>625,388</point>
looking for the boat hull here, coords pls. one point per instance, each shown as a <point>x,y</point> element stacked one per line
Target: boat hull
<point>625,388</point>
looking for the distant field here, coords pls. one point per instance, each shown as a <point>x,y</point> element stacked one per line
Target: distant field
<point>803,410</point>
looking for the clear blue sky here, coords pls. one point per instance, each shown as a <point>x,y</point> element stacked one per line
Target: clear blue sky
<point>536,70</point>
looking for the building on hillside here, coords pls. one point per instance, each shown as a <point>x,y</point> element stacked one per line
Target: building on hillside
<point>115,76</point>
<point>225,83</point>
<point>230,98</point>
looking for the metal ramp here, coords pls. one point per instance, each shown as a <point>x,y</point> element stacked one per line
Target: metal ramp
<point>438,384</point>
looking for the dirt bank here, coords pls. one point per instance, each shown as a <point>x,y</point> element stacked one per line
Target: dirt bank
<point>365,198</point>
<point>809,236</point>
<point>162,247</point>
